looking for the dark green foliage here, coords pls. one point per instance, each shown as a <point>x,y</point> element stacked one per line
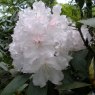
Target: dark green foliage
<point>76,78</point>
<point>80,3</point>
<point>33,90</point>
<point>87,10</point>
<point>79,65</point>
<point>15,84</point>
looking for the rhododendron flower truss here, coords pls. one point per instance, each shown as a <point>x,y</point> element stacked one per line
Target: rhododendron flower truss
<point>41,43</point>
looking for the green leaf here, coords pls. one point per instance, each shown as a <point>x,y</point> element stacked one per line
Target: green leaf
<point>73,85</point>
<point>35,90</point>
<point>3,66</point>
<point>68,78</point>
<point>15,84</point>
<point>79,65</point>
<point>22,88</point>
<point>31,1</point>
<point>0,91</point>
<point>1,55</point>
<point>90,22</point>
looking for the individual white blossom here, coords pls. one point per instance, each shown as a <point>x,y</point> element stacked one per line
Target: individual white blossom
<point>41,43</point>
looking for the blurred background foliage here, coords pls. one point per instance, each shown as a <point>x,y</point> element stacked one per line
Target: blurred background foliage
<point>71,11</point>
<point>79,77</point>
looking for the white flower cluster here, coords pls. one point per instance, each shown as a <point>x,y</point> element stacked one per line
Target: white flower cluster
<point>41,43</point>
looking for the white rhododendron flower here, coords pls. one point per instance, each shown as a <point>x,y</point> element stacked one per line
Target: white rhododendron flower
<point>41,43</point>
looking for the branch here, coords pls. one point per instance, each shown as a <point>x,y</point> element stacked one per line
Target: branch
<point>85,42</point>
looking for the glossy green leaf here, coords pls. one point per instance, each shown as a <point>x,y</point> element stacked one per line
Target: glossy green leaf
<point>15,84</point>
<point>68,78</point>
<point>73,85</point>
<point>22,87</point>
<point>1,55</point>
<point>79,65</point>
<point>3,66</point>
<point>35,90</point>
